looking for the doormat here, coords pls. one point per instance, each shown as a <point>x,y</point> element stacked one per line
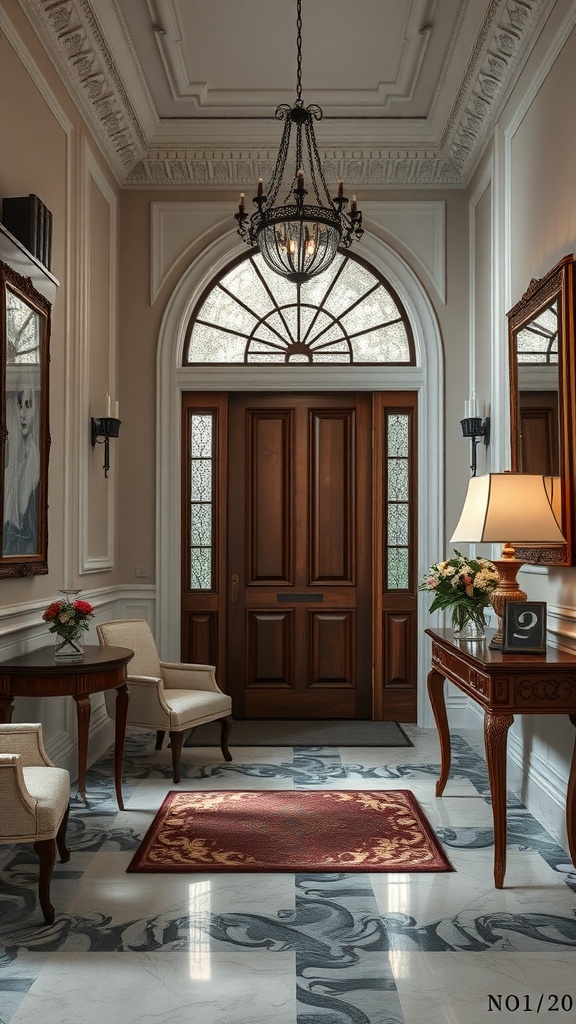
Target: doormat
<point>307,733</point>
<point>290,830</point>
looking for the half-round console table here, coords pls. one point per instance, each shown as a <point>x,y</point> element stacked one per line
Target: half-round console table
<point>37,674</point>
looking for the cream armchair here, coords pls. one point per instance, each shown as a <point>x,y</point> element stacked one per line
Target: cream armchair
<point>166,696</point>
<point>34,801</point>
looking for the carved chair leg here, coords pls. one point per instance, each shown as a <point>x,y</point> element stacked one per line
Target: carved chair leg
<point>45,850</point>
<point>225,726</point>
<point>159,739</point>
<point>176,741</point>
<point>61,838</point>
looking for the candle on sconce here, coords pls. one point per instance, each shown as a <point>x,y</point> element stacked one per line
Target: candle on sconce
<point>300,179</point>
<point>259,187</point>
<point>241,203</point>
<point>116,410</point>
<point>340,189</point>
<point>353,205</point>
<point>108,405</point>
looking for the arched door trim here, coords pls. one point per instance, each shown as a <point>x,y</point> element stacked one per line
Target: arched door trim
<point>173,379</point>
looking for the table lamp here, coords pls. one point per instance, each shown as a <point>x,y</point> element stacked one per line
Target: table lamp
<point>508,508</point>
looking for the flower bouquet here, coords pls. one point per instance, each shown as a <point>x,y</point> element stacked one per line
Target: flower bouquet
<point>463,585</point>
<point>68,618</point>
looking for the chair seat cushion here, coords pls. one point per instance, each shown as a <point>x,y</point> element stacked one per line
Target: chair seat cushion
<point>51,788</point>
<point>194,707</point>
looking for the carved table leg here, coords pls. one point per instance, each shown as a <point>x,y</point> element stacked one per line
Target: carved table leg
<point>83,716</point>
<point>438,702</point>
<point>495,741</point>
<point>571,803</point>
<point>122,698</point>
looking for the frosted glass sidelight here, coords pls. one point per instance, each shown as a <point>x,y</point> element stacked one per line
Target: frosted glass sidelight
<point>201,500</point>
<point>397,501</point>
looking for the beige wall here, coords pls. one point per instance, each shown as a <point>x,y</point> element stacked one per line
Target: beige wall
<point>47,150</point>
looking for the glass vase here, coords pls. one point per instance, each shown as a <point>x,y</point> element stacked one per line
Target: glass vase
<point>468,623</point>
<point>69,648</point>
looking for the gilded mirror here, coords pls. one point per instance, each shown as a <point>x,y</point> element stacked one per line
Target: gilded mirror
<point>541,350</point>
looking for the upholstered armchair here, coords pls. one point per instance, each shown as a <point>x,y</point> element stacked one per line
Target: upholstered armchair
<point>166,696</point>
<point>34,801</point>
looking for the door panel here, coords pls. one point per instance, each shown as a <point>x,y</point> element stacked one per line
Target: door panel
<point>299,518</point>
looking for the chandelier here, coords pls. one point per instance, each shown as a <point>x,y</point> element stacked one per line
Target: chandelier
<point>299,239</point>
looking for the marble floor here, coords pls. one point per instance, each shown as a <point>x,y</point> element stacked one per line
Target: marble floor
<point>292,949</point>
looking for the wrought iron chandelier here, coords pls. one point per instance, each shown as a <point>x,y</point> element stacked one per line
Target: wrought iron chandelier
<point>298,240</point>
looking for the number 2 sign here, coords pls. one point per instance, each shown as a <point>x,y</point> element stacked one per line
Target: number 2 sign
<point>524,627</point>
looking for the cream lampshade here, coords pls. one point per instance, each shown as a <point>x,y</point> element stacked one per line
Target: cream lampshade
<point>508,508</point>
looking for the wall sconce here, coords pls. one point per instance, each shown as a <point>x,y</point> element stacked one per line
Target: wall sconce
<point>102,429</point>
<point>475,428</point>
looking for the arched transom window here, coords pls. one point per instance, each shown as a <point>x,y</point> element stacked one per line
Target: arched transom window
<point>348,314</point>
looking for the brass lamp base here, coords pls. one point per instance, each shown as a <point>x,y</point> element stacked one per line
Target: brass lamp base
<point>507,590</point>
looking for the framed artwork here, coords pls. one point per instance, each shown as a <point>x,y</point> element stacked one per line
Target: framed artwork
<point>24,430</point>
<point>524,627</point>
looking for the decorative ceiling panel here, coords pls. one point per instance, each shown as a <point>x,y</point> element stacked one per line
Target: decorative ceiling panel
<point>183,92</point>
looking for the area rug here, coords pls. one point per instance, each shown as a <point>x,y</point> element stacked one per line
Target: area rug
<point>290,830</point>
<point>308,733</point>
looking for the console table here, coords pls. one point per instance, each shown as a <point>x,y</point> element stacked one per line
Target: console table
<point>504,685</point>
<point>37,674</point>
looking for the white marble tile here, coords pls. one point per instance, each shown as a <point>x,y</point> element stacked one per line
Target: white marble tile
<point>106,885</point>
<point>163,988</point>
<point>437,988</point>
<point>531,887</point>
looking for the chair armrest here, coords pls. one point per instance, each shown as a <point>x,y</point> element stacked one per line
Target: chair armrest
<point>179,676</point>
<point>17,807</point>
<point>24,739</point>
<point>146,699</point>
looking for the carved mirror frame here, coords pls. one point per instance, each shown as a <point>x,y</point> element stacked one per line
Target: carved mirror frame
<point>24,430</point>
<point>542,399</point>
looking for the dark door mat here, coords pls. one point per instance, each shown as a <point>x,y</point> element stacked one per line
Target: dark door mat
<point>307,733</point>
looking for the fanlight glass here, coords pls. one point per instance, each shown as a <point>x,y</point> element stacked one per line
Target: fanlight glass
<point>348,314</point>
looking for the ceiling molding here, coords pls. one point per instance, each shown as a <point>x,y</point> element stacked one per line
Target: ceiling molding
<point>228,152</point>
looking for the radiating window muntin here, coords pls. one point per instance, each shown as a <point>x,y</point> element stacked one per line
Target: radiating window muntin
<point>23,331</point>
<point>398,501</point>
<point>202,475</point>
<point>251,315</point>
<point>537,342</point>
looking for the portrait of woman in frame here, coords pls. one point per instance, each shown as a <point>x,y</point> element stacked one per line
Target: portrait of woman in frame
<point>24,340</point>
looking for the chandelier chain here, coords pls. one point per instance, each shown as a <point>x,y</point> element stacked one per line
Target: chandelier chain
<point>299,239</point>
<point>299,54</point>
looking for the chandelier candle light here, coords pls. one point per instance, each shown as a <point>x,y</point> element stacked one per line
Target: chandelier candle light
<point>508,508</point>
<point>299,239</point>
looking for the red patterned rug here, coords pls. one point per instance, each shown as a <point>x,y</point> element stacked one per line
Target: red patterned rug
<point>290,830</point>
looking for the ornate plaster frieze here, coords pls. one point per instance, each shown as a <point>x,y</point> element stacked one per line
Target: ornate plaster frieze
<point>217,168</point>
<point>71,30</point>
<point>499,49</point>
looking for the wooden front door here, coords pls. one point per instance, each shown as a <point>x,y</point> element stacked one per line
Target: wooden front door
<point>299,548</point>
<point>299,567</point>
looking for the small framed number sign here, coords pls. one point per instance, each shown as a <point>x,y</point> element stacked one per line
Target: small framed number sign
<point>524,627</point>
